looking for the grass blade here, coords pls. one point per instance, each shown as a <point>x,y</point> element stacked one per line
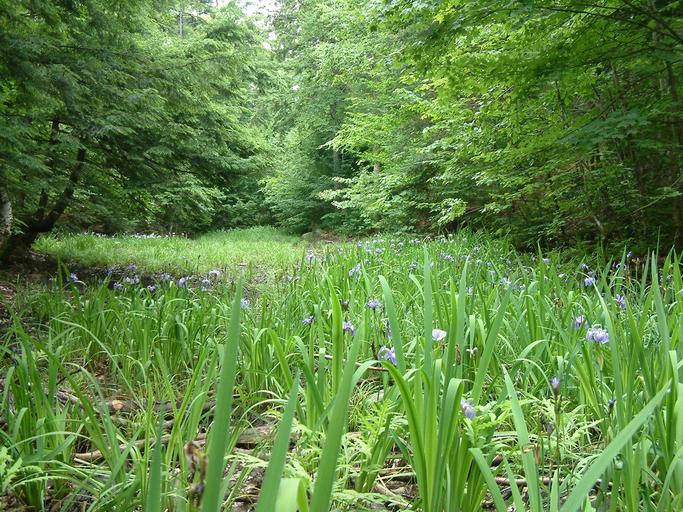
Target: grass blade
<point>218,441</point>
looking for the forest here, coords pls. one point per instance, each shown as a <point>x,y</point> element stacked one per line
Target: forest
<point>551,122</point>
<point>341,255</point>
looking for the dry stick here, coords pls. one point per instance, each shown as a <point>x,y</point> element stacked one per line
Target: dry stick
<point>372,368</point>
<point>127,406</point>
<point>251,437</point>
<point>519,482</point>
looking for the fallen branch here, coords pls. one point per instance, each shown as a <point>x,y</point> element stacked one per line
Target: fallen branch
<point>395,474</point>
<point>249,438</point>
<point>372,368</point>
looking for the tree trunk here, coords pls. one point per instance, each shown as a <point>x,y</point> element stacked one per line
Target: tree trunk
<point>42,222</point>
<point>5,221</point>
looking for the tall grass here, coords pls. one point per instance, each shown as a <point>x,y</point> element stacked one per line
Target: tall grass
<point>483,376</point>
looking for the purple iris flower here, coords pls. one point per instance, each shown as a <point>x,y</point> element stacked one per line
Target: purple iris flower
<point>348,327</point>
<point>580,321</point>
<point>598,335</point>
<point>555,384</point>
<point>355,271</point>
<point>308,320</point>
<point>73,277</point>
<point>388,354</point>
<point>244,303</point>
<point>374,304</point>
<point>621,301</point>
<point>131,280</point>
<point>438,334</point>
<point>589,281</point>
<point>118,286</point>
<point>183,281</point>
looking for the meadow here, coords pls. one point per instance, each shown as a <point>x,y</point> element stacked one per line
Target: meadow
<point>249,371</point>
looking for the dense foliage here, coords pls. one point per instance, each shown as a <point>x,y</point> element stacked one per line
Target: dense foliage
<point>132,114</point>
<point>558,121</point>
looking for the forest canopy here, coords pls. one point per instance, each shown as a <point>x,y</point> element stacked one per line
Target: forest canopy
<point>554,122</point>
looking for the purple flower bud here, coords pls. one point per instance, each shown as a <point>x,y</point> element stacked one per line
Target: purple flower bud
<point>467,409</point>
<point>348,327</point>
<point>555,384</point>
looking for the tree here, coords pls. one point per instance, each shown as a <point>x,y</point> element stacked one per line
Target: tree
<point>113,114</point>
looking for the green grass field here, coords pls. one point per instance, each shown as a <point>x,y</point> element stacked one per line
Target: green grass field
<point>260,247</point>
<point>445,375</point>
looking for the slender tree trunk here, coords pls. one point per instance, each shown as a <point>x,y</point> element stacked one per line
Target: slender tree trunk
<point>5,221</point>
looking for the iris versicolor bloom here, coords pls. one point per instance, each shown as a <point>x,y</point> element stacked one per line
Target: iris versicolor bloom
<point>467,409</point>
<point>310,257</point>
<point>388,354</point>
<point>598,335</point>
<point>374,304</point>
<point>151,288</point>
<point>118,286</point>
<point>244,303</point>
<point>621,301</point>
<point>214,274</point>
<point>355,271</point>
<point>73,277</point>
<point>207,283</point>
<point>438,335</point>
<point>182,281</point>
<point>308,320</point>
<point>472,351</point>
<point>348,327</point>
<point>579,322</point>
<point>589,281</point>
